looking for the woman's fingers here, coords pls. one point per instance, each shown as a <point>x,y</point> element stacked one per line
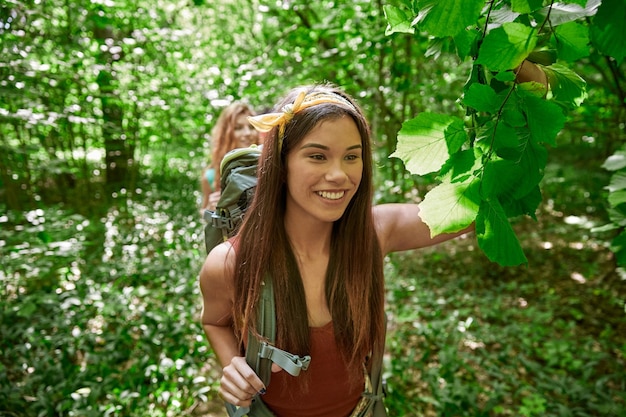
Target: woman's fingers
<point>239,383</point>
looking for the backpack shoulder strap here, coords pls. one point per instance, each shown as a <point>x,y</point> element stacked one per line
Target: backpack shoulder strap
<point>260,354</point>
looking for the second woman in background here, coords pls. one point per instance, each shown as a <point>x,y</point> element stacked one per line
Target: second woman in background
<point>231,131</point>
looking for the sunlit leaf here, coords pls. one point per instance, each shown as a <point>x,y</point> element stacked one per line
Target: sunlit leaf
<point>618,182</point>
<point>461,165</point>
<point>615,161</point>
<point>506,47</point>
<point>450,207</point>
<point>567,87</point>
<point>398,20</point>
<point>572,41</point>
<point>526,6</point>
<point>564,12</point>
<point>448,17</point>
<point>617,197</point>
<point>425,142</point>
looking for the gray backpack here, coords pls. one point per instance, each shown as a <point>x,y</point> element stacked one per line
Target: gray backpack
<point>238,183</point>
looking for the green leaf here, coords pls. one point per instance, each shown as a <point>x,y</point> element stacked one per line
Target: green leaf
<point>615,161</point>
<point>617,197</point>
<point>442,18</point>
<point>505,76</point>
<point>608,31</point>
<point>618,246</point>
<point>426,142</point>
<point>496,237</point>
<point>618,182</point>
<point>482,98</point>
<point>505,137</point>
<point>566,87</point>
<point>506,47</point>
<point>500,177</point>
<point>572,41</point>
<point>526,205</point>
<point>466,41</point>
<point>449,207</point>
<point>398,20</point>
<point>461,165</point>
<point>545,119</point>
<point>526,6</point>
<point>513,114</point>
<point>561,13</point>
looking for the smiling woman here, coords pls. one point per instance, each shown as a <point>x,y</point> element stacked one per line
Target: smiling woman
<point>312,231</point>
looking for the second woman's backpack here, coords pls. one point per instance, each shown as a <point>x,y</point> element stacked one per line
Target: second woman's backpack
<point>238,182</point>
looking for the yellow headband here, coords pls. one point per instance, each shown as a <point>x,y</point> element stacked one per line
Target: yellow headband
<point>266,122</point>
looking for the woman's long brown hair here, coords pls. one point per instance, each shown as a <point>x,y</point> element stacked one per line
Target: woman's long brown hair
<point>354,280</point>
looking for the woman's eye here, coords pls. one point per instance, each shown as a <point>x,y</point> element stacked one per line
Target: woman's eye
<point>317,157</point>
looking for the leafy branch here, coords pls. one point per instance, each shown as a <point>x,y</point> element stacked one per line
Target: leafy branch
<point>490,163</point>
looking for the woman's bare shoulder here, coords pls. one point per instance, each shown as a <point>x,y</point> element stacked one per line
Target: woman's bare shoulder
<point>217,272</point>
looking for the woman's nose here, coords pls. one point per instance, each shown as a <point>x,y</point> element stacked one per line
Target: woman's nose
<point>336,173</point>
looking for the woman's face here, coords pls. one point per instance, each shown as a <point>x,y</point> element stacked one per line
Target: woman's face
<point>244,134</point>
<point>324,171</point>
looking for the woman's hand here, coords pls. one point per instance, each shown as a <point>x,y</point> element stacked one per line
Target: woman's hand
<point>527,71</point>
<point>239,384</point>
<point>214,197</point>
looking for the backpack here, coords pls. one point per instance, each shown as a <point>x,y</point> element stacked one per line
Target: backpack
<point>237,182</point>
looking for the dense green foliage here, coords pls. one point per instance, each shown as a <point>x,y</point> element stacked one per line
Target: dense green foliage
<point>490,164</point>
<point>106,109</point>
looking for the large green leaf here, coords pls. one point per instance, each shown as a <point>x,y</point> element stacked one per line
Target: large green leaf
<point>461,165</point>
<point>617,183</point>
<point>545,119</point>
<point>450,207</point>
<point>567,87</point>
<point>448,17</point>
<point>482,98</point>
<point>499,136</point>
<point>615,161</point>
<point>526,205</point>
<point>617,197</point>
<point>500,177</point>
<point>572,41</point>
<point>561,13</point>
<point>398,20</point>
<point>608,31</point>
<point>618,246</point>
<point>506,47</point>
<point>526,6</point>
<point>426,142</point>
<point>496,237</point>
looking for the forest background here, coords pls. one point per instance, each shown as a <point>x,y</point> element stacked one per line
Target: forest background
<point>106,110</point>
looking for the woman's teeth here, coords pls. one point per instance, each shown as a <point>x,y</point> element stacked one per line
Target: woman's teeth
<point>331,195</point>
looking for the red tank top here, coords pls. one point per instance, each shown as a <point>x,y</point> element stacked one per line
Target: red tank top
<point>330,394</point>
